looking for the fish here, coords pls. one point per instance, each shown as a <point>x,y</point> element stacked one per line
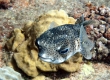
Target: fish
<point>58,44</point>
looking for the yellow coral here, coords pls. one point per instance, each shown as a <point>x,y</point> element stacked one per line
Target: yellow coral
<point>24,60</point>
<point>26,53</point>
<point>42,23</point>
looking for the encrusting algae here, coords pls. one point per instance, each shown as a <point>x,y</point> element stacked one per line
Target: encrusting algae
<point>22,43</point>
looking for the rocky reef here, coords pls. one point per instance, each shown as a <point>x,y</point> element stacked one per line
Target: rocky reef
<point>7,73</point>
<point>25,53</point>
<point>100,31</point>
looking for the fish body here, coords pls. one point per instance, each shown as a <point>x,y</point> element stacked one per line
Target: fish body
<point>58,44</point>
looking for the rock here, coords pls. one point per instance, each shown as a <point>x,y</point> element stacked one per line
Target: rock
<point>48,2</point>
<point>102,28</point>
<point>87,70</point>
<point>91,6</point>
<point>6,1</point>
<point>108,41</point>
<point>7,73</point>
<point>101,32</point>
<point>107,20</point>
<point>96,30</point>
<point>100,17</point>
<point>25,51</point>
<point>96,33</point>
<point>1,46</point>
<point>102,22</point>
<point>89,29</point>
<point>108,13</point>
<point>77,15</point>
<point>94,54</point>
<point>22,3</point>
<point>107,34</point>
<point>102,11</point>
<point>1,59</point>
<point>96,23</point>
<point>102,39</point>
<point>4,4</point>
<point>108,30</point>
<point>103,49</point>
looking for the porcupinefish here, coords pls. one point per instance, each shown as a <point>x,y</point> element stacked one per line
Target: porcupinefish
<point>58,44</point>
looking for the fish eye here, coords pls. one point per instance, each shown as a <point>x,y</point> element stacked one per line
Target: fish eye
<point>64,51</point>
<point>37,44</point>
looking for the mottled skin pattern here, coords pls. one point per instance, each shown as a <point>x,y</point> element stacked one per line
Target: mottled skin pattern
<point>53,41</point>
<point>58,44</point>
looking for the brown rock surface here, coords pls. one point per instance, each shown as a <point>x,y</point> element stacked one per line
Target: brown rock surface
<point>6,1</point>
<point>107,34</point>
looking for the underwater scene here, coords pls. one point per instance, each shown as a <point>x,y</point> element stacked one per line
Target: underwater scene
<point>54,40</point>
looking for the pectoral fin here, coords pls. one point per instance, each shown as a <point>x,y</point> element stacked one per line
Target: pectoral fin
<point>84,23</point>
<point>86,53</point>
<point>86,43</point>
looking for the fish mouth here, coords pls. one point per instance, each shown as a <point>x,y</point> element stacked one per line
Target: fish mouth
<point>50,60</point>
<point>45,59</point>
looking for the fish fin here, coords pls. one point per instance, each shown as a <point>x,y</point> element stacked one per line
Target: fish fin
<point>86,53</point>
<point>86,43</point>
<point>80,20</point>
<point>84,23</point>
<point>52,25</point>
<point>88,22</point>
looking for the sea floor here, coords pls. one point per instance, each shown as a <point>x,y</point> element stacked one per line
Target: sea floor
<point>15,13</point>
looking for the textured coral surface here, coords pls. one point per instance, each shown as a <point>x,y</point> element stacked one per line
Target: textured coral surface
<point>22,43</point>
